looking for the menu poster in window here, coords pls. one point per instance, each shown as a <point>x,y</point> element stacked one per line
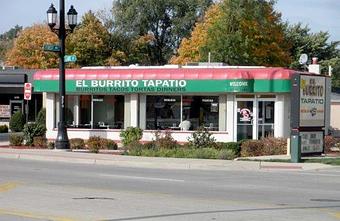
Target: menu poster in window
<point>5,111</point>
<point>245,115</point>
<point>214,107</point>
<point>16,107</point>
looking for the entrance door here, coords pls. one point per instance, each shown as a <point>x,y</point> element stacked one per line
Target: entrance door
<point>245,119</point>
<point>265,119</point>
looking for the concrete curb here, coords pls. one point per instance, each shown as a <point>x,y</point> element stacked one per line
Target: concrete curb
<point>153,162</point>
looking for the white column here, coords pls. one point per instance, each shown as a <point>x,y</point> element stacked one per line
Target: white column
<point>222,113</point>
<point>279,116</point>
<point>282,116</point>
<point>44,95</point>
<point>142,111</point>
<point>50,110</point>
<point>127,115</point>
<point>134,110</point>
<point>230,121</point>
<point>76,110</point>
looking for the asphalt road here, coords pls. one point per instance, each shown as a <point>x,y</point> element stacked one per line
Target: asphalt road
<point>35,190</point>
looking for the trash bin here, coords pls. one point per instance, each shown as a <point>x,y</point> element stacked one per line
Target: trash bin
<point>295,151</point>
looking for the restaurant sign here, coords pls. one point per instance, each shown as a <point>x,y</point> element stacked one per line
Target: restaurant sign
<point>165,86</point>
<point>312,101</point>
<point>311,142</point>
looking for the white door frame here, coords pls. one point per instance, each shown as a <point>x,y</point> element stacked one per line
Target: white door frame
<point>255,101</point>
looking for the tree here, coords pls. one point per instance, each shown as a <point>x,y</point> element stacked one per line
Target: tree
<point>247,33</point>
<point>312,44</point>
<point>303,41</point>
<point>89,42</point>
<point>189,48</point>
<point>7,39</point>
<point>166,21</point>
<point>27,51</point>
<point>244,32</point>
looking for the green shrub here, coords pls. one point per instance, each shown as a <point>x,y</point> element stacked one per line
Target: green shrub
<point>17,122</point>
<point>32,130</point>
<point>201,138</point>
<point>131,135</point>
<point>94,143</point>
<point>16,139</point>
<point>50,145</point>
<point>234,146</point>
<point>150,145</point>
<point>330,142</point>
<point>3,128</point>
<point>251,148</point>
<point>41,118</point>
<point>134,149</point>
<point>274,146</point>
<point>109,144</point>
<point>265,146</point>
<point>77,143</point>
<point>226,154</point>
<point>164,140</point>
<point>40,142</point>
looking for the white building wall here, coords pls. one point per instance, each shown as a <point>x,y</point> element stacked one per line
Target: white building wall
<point>134,110</point>
<point>230,128</point>
<point>282,116</point>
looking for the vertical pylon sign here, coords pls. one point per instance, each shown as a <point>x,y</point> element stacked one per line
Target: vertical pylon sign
<point>27,91</point>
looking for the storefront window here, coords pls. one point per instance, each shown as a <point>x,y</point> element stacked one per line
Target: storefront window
<point>84,111</point>
<point>108,112</point>
<point>201,111</point>
<point>70,110</point>
<point>163,112</point>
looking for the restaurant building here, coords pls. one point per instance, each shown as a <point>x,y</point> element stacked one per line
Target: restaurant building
<point>233,103</point>
<point>12,95</point>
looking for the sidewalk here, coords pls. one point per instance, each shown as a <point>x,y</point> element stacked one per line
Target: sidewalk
<point>152,162</point>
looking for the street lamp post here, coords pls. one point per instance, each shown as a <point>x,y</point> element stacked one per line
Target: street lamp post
<point>62,141</point>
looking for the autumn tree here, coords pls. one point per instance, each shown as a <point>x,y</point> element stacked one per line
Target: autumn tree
<point>243,32</point>
<point>89,42</point>
<point>27,51</point>
<point>189,48</point>
<point>166,22</point>
<point>7,40</point>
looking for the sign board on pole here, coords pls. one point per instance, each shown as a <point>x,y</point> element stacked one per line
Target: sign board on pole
<point>312,101</point>
<point>27,91</point>
<point>311,142</point>
<point>51,47</point>
<point>70,58</point>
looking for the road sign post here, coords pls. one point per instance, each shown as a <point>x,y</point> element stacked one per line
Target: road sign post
<point>51,47</point>
<point>27,91</point>
<point>70,58</point>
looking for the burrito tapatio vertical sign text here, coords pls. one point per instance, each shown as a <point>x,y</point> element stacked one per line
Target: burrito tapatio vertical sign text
<point>312,101</point>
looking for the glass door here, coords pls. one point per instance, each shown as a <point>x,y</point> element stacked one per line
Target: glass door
<point>265,119</point>
<point>245,116</point>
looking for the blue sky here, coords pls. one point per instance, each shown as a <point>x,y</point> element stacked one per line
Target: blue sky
<point>320,15</point>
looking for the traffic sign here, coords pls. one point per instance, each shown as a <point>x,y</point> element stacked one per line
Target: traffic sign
<point>50,47</point>
<point>27,91</point>
<point>70,58</point>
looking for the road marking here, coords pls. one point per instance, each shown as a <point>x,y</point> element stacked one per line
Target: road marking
<point>7,186</point>
<point>337,215</point>
<point>33,216</point>
<point>141,178</point>
<point>320,174</point>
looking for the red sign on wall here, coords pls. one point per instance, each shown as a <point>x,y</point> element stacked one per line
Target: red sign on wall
<point>27,91</point>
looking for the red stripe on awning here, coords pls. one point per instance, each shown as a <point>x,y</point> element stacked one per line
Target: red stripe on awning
<point>167,73</point>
